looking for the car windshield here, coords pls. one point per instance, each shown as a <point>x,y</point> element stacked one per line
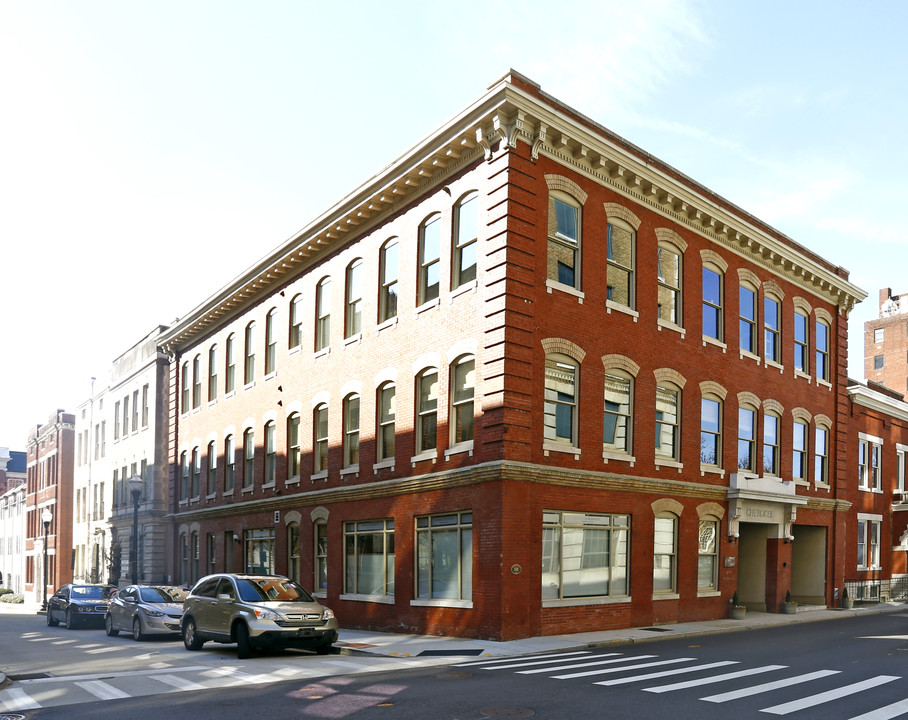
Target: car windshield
<point>271,590</point>
<point>162,594</point>
<point>83,592</point>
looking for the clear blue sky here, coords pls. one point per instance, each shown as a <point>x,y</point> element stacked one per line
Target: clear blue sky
<point>151,152</point>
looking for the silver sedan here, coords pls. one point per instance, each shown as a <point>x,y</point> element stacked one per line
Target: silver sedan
<point>145,610</point>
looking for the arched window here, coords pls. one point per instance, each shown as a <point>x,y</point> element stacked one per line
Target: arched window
<point>184,394</point>
<point>800,433</point>
<point>564,240</point>
<point>387,291</point>
<point>320,438</point>
<point>296,322</point>
<point>270,453</point>
<point>821,455</point>
<point>229,464</point>
<point>194,557</point>
<point>747,438</point>
<point>462,388</point>
<point>248,458</point>
<point>323,314</point>
<point>621,249</point>
<point>212,373</point>
<point>184,475</point>
<point>711,429</point>
<point>196,471</point>
<point>747,318</point>
<point>321,556</point>
<point>197,381</point>
<point>249,349</point>
<point>466,230</point>
<point>351,431</point>
<point>230,367</point>
<point>293,445</point>
<point>713,302</point>
<point>617,422</point>
<point>354,301</point>
<point>270,341</point>
<point>429,259</point>
<point>822,350</point>
<point>184,559</point>
<point>668,420</point>
<point>772,340</point>
<point>771,439</point>
<point>801,340</point>
<point>668,262</point>
<point>293,551</point>
<point>665,550</point>
<point>427,411</point>
<point>386,397</point>
<point>708,554</point>
<point>212,468</point>
<point>560,404</point>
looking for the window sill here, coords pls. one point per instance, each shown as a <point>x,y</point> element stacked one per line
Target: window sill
<point>322,475</point>
<point>382,465</point>
<point>228,493</point>
<point>384,599</point>
<point>824,486</point>
<point>803,376</point>
<point>211,496</point>
<point>295,480</point>
<point>749,355</point>
<point>712,470</point>
<point>441,602</point>
<point>669,462</point>
<point>247,491</point>
<point>270,376</point>
<point>668,325</point>
<point>425,307</point>
<point>864,568</point>
<point>801,482</point>
<point>249,385</point>
<point>471,286</point>
<point>353,340</point>
<point>666,596</point>
<point>387,324</point>
<point>578,602</point>
<point>294,350</point>
<point>620,457</point>
<point>566,289</point>
<point>230,394</point>
<point>321,353</point>
<point>774,365</point>
<point>211,404</point>
<point>558,448</point>
<point>611,305</point>
<point>352,470</point>
<point>708,593</point>
<point>824,383</point>
<point>422,457</point>
<point>707,340</point>
<point>268,486</point>
<point>466,447</point>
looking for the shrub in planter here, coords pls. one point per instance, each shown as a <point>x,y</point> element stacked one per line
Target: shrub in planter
<point>5,591</point>
<point>12,597</point>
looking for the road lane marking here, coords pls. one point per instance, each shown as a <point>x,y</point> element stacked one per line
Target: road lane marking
<point>512,665</point>
<point>884,713</point>
<point>18,699</point>
<point>665,673</point>
<point>767,687</point>
<point>107,675</point>
<point>178,682</point>
<point>522,658</point>
<point>714,679</point>
<point>821,698</point>
<point>586,664</point>
<point>621,669</point>
<point>102,690</point>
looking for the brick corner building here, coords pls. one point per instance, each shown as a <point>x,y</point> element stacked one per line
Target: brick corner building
<point>886,343</point>
<point>527,380</point>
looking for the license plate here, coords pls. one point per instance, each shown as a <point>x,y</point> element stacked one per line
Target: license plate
<point>304,631</point>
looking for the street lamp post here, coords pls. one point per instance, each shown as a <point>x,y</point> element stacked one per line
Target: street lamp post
<point>135,487</point>
<point>46,517</point>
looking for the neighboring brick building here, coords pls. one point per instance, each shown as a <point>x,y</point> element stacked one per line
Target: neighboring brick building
<point>527,380</point>
<point>50,463</point>
<point>876,544</point>
<point>886,343</point>
<point>12,519</point>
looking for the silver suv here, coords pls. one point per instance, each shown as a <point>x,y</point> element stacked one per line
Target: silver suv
<point>255,611</point>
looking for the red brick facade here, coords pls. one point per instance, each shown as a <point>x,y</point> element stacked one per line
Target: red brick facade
<point>522,496</point>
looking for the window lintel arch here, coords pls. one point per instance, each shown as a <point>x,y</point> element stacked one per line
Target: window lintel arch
<point>822,421</point>
<point>319,513</point>
<point>749,276</point>
<point>351,387</point>
<point>710,511</point>
<point>773,289</point>
<point>563,346</point>
<point>773,406</point>
<point>668,236</point>
<point>670,375</point>
<point>711,387</point>
<point>802,305</point>
<point>824,315</point>
<point>388,375</point>
<point>615,361</point>
<point>323,397</point>
<point>711,257</point>
<point>248,423</point>
<point>292,516</point>
<point>667,505</point>
<point>615,211</point>
<point>567,186</point>
<point>799,414</point>
<point>748,398</point>
<point>426,360</point>
<point>467,346</point>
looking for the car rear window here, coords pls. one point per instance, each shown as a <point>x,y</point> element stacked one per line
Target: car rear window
<point>162,594</point>
<point>91,593</point>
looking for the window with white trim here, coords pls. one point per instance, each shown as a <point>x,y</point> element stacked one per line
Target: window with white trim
<point>466,230</point>
<point>620,250</point>
<point>248,458</point>
<point>427,411</point>
<point>353,319</point>
<point>668,264</point>
<point>320,438</point>
<point>564,240</point>
<point>369,557</point>
<point>229,463</point>
<point>270,453</point>
<point>821,456</point>
<point>386,440</point>
<point>771,449</point>
<point>868,555</point>
<point>444,556</point>
<point>387,291</point>
<point>822,350</point>
<point>230,364</point>
<point>747,438</point>
<point>212,479</point>
<point>711,430</point>
<point>323,314</point>
<point>429,260</point>
<point>584,555</point>
<point>869,453</point>
<point>665,549</point>
<point>270,342</point>
<point>668,420</point>
<point>708,554</point>
<point>560,401</point>
<point>800,343</point>
<point>293,446</point>
<point>351,431</point>
<point>712,303</point>
<point>772,336</point>
<point>747,318</point>
<point>212,382</point>
<point>249,350</point>
<point>463,383</point>
<point>296,322</point>
<point>799,451</point>
<point>617,421</point>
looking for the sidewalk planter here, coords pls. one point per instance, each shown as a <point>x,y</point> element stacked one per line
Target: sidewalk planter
<point>847,602</point>
<point>738,612</point>
<point>789,608</point>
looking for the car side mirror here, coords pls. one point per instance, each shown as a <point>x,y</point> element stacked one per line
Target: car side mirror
<point>224,597</point>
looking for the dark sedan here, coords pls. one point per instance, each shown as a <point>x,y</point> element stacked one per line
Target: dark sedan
<point>145,610</point>
<point>79,605</point>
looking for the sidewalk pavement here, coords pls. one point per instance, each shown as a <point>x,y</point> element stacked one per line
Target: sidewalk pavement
<point>367,642</point>
<point>364,642</point>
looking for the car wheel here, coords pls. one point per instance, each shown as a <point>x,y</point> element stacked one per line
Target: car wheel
<point>323,649</point>
<point>109,627</point>
<point>50,619</point>
<point>70,620</point>
<point>137,633</point>
<point>243,646</point>
<point>190,639</point>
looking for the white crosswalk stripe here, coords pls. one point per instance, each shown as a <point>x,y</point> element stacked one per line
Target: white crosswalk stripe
<point>767,687</point>
<point>102,690</point>
<point>511,666</point>
<point>714,679</point>
<point>638,666</point>
<point>591,663</point>
<point>522,658</point>
<point>884,713</point>
<point>17,699</point>
<point>828,696</point>
<point>178,682</point>
<point>666,673</point>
